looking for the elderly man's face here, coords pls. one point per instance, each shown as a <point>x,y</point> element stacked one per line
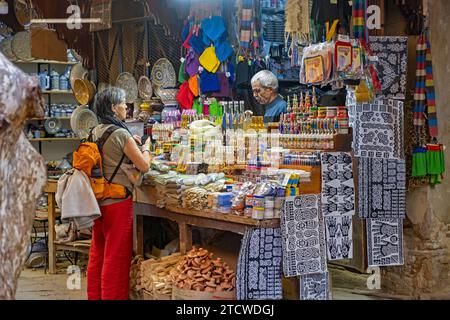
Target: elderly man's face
<point>263,95</point>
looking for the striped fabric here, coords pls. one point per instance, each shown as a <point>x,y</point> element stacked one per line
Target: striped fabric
<point>431,94</point>
<point>246,23</point>
<point>359,20</point>
<point>425,95</point>
<point>419,93</point>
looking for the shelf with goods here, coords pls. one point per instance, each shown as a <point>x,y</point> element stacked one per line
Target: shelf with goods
<point>79,246</point>
<point>59,104</point>
<point>52,213</point>
<point>45,118</point>
<point>51,62</point>
<point>57,91</point>
<point>52,148</point>
<point>54,139</point>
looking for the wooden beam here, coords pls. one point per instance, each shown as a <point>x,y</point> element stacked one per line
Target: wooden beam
<point>185,237</point>
<point>139,235</point>
<point>51,233</point>
<point>149,196</point>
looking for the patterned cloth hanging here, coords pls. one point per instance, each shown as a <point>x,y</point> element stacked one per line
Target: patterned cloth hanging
<point>392,64</point>
<point>385,242</point>
<point>315,286</point>
<point>259,273</point>
<point>378,129</point>
<point>302,229</point>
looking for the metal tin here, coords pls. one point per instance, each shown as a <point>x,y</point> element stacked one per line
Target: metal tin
<point>277,213</point>
<point>258,201</point>
<point>249,201</point>
<point>279,203</point>
<point>269,203</point>
<point>258,213</point>
<point>322,112</point>
<point>269,214</point>
<point>331,112</point>
<point>343,126</point>
<point>342,112</point>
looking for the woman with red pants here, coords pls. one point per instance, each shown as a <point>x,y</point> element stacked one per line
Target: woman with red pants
<point>111,248</point>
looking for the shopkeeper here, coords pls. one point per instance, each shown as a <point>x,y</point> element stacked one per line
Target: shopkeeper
<point>265,91</point>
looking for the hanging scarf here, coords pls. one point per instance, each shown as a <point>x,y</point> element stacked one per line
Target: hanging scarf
<point>359,20</point>
<point>246,19</point>
<point>419,93</point>
<point>431,94</point>
<point>114,121</point>
<point>424,95</point>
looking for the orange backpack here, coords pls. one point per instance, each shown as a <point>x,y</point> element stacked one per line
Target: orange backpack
<point>87,158</point>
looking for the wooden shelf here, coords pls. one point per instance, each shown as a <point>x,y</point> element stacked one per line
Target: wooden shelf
<point>45,212</point>
<point>45,118</point>
<point>147,195</point>
<point>47,61</point>
<point>208,214</point>
<point>57,91</point>
<point>54,139</point>
<point>309,150</point>
<point>297,167</point>
<point>342,143</point>
<point>81,246</point>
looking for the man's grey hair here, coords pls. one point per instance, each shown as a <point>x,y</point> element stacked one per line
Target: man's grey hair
<point>266,79</point>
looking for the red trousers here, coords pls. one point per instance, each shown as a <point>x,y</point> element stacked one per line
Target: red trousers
<point>108,271</point>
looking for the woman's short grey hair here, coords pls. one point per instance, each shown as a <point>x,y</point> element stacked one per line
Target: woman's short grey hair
<point>106,99</point>
<point>266,79</point>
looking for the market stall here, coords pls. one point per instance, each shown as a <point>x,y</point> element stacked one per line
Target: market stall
<point>329,172</point>
<point>289,123</point>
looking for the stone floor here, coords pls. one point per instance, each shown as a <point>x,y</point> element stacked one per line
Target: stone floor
<point>37,285</point>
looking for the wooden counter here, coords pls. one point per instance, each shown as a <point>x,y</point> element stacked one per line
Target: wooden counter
<point>145,205</point>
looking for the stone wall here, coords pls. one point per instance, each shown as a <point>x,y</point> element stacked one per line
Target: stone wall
<point>426,273</point>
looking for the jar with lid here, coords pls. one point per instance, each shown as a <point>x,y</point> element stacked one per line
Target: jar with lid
<point>54,80</point>
<point>145,112</point>
<point>69,111</point>
<point>42,131</point>
<point>57,111</point>
<point>44,80</point>
<point>63,83</point>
